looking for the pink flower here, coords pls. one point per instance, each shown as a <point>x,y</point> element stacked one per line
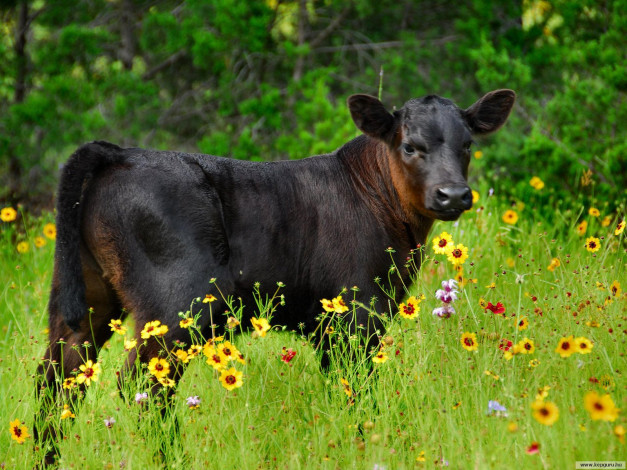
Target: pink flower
<point>533,448</point>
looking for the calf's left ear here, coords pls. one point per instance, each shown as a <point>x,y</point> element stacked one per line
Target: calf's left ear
<point>371,117</point>
<point>490,112</point>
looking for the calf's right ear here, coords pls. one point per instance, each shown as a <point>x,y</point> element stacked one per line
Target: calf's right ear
<point>371,117</point>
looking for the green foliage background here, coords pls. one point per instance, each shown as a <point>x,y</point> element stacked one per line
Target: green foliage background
<point>267,80</point>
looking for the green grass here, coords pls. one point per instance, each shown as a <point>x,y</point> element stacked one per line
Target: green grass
<point>431,395</point>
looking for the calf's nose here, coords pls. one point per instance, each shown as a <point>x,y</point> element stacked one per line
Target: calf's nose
<point>454,197</point>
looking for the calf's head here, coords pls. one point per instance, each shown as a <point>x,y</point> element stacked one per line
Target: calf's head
<point>429,143</point>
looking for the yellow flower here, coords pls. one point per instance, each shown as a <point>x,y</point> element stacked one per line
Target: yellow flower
<point>458,255</point>
<point>593,244</point>
<point>489,373</point>
<point>615,289</point>
<point>411,309</point>
<point>153,328</point>
<point>194,350</point>
<point>593,324</point>
<point>526,346</point>
<point>534,363</point>
<point>159,367</point>
<point>327,305</point>
<point>186,322</point>
<point>231,378</point>
<point>469,341</point>
<point>543,392</point>
<point>581,228</point>
<point>69,383</point>
<point>215,358</point>
<point>166,381</point>
<point>232,323</point>
<point>129,344</point>
<point>510,217</point>
<point>478,154</point>
<point>346,387</point>
<point>116,326</point>
<point>594,212</point>
<point>600,407</point>
<point>443,243</point>
<point>182,355</point>
<point>19,432</point>
<point>260,325</point>
<point>338,305</point>
<point>545,412</point>
<point>566,346</point>
<point>67,412</point>
<point>475,196</point>
<point>421,457</point>
<point>536,183</point>
<point>8,214</point>
<point>620,227</point>
<point>89,373</point>
<point>607,220</point>
<point>583,345</point>
<point>209,298</point>
<point>380,357</point>
<point>483,303</point>
<point>39,242</point>
<point>22,247</point>
<point>50,231</point>
<point>523,324</point>
<point>228,350</point>
<point>555,263</point>
<point>512,426</point>
<point>619,431</point>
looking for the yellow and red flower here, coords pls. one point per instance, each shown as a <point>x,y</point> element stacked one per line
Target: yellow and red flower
<point>50,231</point>
<point>19,432</point>
<point>159,367</point>
<point>443,243</point>
<point>600,407</point>
<point>457,255</point>
<point>89,373</point>
<point>116,326</point>
<point>583,345</point>
<point>566,346</point>
<point>8,214</point>
<point>593,244</point>
<point>469,341</point>
<point>231,378</point>
<point>153,328</point>
<point>545,412</point>
<point>260,325</point>
<point>410,309</point>
<point>510,217</point>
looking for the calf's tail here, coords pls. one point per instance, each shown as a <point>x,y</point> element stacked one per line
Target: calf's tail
<point>68,293</point>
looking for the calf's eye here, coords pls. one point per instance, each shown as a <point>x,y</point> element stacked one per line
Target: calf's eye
<point>408,149</point>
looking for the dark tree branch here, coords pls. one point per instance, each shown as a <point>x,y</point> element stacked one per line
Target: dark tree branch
<point>150,74</point>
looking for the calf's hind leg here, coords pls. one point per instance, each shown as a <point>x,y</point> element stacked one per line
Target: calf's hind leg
<point>68,350</point>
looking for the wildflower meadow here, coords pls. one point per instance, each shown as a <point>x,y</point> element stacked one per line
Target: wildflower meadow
<point>508,348</point>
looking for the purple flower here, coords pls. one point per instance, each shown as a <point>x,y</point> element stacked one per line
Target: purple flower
<point>446,297</point>
<point>109,422</point>
<point>141,397</point>
<point>193,402</point>
<point>444,312</point>
<point>491,192</point>
<point>449,285</point>
<point>496,408</point>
